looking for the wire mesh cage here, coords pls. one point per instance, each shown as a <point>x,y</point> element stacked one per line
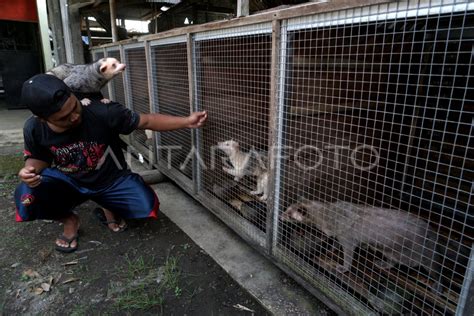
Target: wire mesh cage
<point>376,126</point>
<point>136,81</point>
<point>171,94</point>
<point>116,85</point>
<point>232,85</point>
<point>340,144</point>
<point>96,55</point>
<point>117,91</point>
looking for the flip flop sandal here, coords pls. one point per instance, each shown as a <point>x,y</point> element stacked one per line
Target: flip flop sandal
<point>99,213</point>
<point>69,241</point>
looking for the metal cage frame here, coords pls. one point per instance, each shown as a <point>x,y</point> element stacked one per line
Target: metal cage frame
<point>278,25</point>
<point>147,151</point>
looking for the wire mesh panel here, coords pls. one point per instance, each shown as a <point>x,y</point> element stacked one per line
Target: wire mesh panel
<point>370,187</point>
<point>376,181</point>
<point>96,55</point>
<point>171,92</point>
<point>138,95</point>
<point>118,90</point>
<point>232,85</point>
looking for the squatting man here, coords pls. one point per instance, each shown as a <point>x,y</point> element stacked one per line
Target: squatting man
<point>73,154</point>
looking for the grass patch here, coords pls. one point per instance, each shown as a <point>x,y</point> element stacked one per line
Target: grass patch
<point>80,310</point>
<point>88,276</point>
<point>140,298</point>
<point>137,267</point>
<point>171,276</point>
<point>10,165</point>
<point>12,236</point>
<point>7,188</point>
<point>143,291</point>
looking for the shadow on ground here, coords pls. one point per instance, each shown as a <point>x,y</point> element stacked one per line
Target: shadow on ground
<point>151,268</point>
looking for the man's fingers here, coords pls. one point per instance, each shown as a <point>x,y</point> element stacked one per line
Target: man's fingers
<point>28,175</point>
<point>33,178</point>
<point>34,182</point>
<point>27,172</point>
<point>203,116</point>
<point>30,169</point>
<point>197,119</point>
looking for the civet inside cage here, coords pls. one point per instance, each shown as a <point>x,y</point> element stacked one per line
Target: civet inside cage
<point>340,144</point>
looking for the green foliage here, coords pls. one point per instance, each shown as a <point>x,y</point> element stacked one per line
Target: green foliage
<point>148,293</point>
<point>10,165</point>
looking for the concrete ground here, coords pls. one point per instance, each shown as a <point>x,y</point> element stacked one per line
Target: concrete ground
<point>261,278</point>
<point>11,127</point>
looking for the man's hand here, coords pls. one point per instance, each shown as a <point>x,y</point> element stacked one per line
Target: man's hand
<point>197,119</point>
<point>29,176</point>
<point>163,122</point>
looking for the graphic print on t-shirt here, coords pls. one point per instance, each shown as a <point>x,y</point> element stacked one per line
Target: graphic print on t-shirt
<point>78,157</point>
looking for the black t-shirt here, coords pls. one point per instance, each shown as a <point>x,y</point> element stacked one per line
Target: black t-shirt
<point>90,153</point>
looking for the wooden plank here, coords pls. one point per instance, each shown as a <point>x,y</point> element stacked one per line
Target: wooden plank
<point>420,291</point>
<point>287,13</point>
<point>122,42</point>
<point>295,11</point>
<point>351,280</point>
<point>398,279</point>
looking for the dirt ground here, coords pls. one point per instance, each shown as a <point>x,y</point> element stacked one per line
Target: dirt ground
<point>151,268</point>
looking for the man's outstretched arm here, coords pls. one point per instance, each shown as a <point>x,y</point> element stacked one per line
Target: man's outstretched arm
<point>163,122</point>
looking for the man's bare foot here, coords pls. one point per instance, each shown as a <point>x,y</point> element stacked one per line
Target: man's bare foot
<point>114,222</point>
<point>68,240</point>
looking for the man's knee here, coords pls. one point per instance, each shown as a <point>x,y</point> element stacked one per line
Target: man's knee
<point>51,199</point>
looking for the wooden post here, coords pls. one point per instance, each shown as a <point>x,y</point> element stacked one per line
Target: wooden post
<point>75,23</point>
<point>89,37</point>
<point>113,20</point>
<point>56,25</point>
<point>243,8</point>
<point>44,31</point>
<point>66,30</point>
<point>72,40</point>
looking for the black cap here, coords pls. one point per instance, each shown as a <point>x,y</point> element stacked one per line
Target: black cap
<point>44,94</point>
